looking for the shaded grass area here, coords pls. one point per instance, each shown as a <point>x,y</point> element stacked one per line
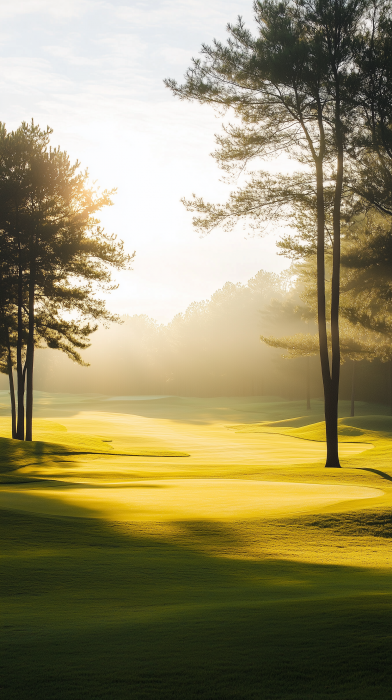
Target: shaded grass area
<point>91,611</point>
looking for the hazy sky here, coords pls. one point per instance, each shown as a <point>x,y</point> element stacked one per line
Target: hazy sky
<point>93,71</point>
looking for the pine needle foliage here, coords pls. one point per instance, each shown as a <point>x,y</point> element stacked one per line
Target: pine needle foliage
<point>55,257</point>
<point>299,88</point>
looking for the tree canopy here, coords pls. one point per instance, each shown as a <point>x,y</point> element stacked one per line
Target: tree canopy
<point>302,87</point>
<point>55,255</point>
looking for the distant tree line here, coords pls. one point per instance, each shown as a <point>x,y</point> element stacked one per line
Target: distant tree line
<point>214,349</point>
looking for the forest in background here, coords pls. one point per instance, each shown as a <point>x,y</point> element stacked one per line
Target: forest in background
<point>212,349</point>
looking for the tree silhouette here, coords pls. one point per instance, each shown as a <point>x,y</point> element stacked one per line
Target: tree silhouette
<point>55,255</point>
<point>295,89</point>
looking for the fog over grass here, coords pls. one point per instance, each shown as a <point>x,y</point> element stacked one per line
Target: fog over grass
<point>213,349</point>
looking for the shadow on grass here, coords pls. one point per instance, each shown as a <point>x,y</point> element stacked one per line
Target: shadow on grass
<point>376,471</point>
<point>96,612</point>
<point>15,454</point>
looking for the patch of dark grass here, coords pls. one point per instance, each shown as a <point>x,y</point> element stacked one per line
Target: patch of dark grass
<point>91,612</point>
<point>294,651</point>
<point>376,523</point>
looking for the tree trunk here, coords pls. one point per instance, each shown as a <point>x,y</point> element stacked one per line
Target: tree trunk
<point>30,357</point>
<point>12,394</point>
<point>308,383</point>
<point>11,385</point>
<point>4,322</point>
<point>331,413</point>
<point>19,362</point>
<point>332,452</point>
<point>352,412</point>
<point>330,386</point>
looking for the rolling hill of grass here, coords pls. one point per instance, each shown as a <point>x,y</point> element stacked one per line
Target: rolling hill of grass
<point>226,581</point>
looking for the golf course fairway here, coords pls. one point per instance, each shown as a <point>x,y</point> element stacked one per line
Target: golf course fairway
<point>195,548</point>
<point>186,499</point>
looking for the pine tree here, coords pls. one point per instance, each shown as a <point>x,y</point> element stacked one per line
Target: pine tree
<point>55,256</point>
<point>295,89</point>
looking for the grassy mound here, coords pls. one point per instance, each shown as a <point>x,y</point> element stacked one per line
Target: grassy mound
<point>381,424</point>
<point>303,427</point>
<point>56,442</point>
<point>292,607</point>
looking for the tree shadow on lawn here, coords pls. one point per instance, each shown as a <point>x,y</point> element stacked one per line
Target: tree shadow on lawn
<point>383,475</point>
<point>18,455</point>
<point>96,611</point>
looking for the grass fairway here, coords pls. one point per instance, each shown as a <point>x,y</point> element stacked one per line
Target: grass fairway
<point>189,548</point>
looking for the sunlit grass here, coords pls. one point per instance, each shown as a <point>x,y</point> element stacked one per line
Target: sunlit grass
<point>245,570</point>
<point>53,442</point>
<point>187,499</point>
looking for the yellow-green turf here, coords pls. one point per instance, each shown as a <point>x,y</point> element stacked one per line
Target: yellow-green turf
<point>195,549</point>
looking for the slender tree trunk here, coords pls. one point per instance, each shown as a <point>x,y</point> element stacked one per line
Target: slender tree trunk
<point>19,360</point>
<point>12,395</point>
<point>352,412</point>
<point>30,356</point>
<point>333,402</point>
<point>330,395</point>
<point>9,366</point>
<point>11,385</point>
<point>308,383</point>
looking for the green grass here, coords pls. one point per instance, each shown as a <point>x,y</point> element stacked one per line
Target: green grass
<point>52,441</point>
<point>292,608</point>
<point>91,612</point>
